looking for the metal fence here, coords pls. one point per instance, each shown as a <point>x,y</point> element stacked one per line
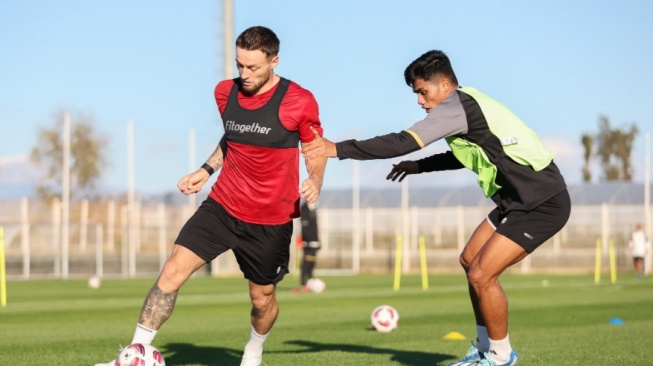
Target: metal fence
<point>111,239</point>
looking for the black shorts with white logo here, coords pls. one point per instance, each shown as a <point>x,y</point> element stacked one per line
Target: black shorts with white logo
<point>262,251</point>
<point>531,229</point>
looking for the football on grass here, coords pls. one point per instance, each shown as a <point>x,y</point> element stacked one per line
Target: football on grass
<point>94,282</point>
<point>316,285</point>
<point>138,354</point>
<point>385,318</point>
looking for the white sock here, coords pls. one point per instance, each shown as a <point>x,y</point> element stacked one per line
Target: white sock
<point>500,350</point>
<point>255,345</point>
<point>143,334</point>
<point>482,339</point>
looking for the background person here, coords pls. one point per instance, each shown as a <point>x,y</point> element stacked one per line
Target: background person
<point>513,168</point>
<point>256,196</point>
<point>310,241</point>
<point>639,247</point>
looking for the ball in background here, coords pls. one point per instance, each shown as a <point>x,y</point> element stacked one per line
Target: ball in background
<point>94,282</point>
<point>385,319</point>
<point>316,285</point>
<point>138,354</point>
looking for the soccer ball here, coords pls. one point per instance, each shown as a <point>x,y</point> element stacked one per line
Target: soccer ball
<point>385,318</point>
<point>316,285</point>
<point>94,282</point>
<point>138,354</point>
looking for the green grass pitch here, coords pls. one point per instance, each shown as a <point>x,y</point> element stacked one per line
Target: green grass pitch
<point>555,320</point>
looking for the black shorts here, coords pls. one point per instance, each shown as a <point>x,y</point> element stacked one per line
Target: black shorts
<point>531,229</point>
<point>262,251</point>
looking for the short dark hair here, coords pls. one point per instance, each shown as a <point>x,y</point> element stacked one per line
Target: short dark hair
<point>259,38</point>
<point>428,66</point>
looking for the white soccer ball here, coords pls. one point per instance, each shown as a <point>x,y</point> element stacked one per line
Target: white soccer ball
<point>316,285</point>
<point>138,354</point>
<point>94,282</point>
<point>385,318</point>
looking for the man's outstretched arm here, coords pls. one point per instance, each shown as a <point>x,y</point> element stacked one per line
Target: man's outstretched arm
<point>380,147</point>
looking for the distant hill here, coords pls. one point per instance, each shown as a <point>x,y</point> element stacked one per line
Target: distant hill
<point>12,191</point>
<point>581,194</point>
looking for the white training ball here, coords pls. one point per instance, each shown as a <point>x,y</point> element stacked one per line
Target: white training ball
<point>316,285</point>
<point>138,354</point>
<point>385,318</point>
<point>94,282</point>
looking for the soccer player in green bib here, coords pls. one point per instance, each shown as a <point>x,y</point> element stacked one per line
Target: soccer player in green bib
<point>514,169</point>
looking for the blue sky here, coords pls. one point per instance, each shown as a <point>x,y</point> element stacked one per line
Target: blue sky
<point>557,64</point>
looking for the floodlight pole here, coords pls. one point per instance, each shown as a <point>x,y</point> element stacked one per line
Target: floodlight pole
<point>228,45</point>
<point>356,244</point>
<point>647,198</point>
<point>226,54</point>
<point>65,197</point>
<point>131,242</point>
<point>192,198</point>
<point>647,184</point>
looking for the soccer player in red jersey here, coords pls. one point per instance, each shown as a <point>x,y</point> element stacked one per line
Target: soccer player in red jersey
<point>256,196</point>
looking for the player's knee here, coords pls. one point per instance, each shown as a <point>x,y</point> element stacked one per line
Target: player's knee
<point>262,304</point>
<point>262,296</point>
<point>171,277</point>
<point>476,277</point>
<point>466,258</point>
<point>464,262</point>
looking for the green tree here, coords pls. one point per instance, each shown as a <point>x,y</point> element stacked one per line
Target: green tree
<point>87,157</point>
<point>614,149</point>
<point>588,142</point>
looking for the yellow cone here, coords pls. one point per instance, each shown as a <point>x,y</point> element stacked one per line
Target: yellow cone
<point>455,336</point>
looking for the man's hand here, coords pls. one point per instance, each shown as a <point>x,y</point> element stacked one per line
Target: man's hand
<point>310,190</point>
<point>193,182</point>
<point>403,169</point>
<point>319,147</point>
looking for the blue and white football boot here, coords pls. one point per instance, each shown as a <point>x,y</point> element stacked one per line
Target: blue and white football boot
<point>471,358</point>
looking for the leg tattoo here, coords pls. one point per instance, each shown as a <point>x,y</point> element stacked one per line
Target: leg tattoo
<point>157,308</point>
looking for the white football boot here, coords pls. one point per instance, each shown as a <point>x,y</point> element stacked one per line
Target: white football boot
<point>251,361</point>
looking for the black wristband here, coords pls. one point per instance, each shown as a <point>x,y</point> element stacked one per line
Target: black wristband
<point>209,169</point>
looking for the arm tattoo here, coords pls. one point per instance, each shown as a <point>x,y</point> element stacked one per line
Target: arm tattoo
<point>217,158</point>
<point>157,308</point>
<point>215,162</point>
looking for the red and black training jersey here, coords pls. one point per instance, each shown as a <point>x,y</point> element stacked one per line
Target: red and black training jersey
<point>259,179</point>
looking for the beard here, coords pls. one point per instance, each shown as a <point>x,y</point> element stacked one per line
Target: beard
<point>254,88</point>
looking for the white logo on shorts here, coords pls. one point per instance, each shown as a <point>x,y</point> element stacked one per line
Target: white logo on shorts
<point>528,236</point>
<point>504,220</point>
<point>278,270</point>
